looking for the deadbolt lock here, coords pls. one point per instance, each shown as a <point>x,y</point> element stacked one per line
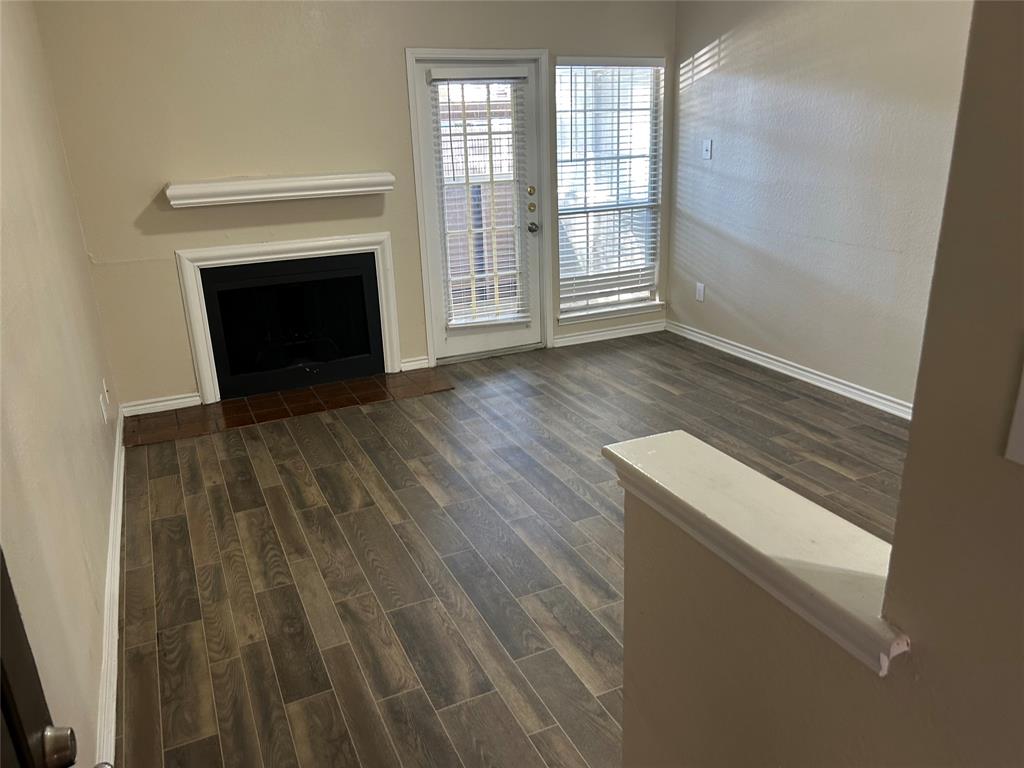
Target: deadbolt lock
<point>531,190</point>
<point>531,207</point>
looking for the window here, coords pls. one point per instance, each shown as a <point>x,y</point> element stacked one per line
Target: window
<point>479,138</point>
<point>609,185</point>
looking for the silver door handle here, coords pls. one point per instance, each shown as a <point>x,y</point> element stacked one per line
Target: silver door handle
<point>532,227</point>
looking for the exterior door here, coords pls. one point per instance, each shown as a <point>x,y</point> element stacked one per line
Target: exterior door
<point>479,189</point>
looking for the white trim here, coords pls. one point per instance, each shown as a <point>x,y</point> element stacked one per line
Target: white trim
<point>416,363</point>
<point>158,404</point>
<point>825,569</point>
<point>106,709</point>
<point>423,170</point>
<point>193,260</point>
<point>878,400</point>
<point>618,331</point>
<point>622,311</point>
<point>610,61</point>
<point>259,189</point>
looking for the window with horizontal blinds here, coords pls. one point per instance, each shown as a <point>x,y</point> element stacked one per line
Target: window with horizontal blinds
<point>609,185</point>
<point>480,150</point>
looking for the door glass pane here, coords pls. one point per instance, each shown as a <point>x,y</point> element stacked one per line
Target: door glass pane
<point>480,144</point>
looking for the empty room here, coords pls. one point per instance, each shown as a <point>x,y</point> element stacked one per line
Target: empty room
<point>512,384</point>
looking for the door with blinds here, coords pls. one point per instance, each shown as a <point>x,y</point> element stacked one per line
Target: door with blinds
<point>480,202</point>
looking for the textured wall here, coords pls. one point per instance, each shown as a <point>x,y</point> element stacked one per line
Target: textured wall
<point>57,452</point>
<point>814,225</point>
<point>727,676</point>
<point>153,92</point>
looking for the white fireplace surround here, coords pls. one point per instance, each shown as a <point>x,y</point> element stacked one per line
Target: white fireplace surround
<point>192,261</point>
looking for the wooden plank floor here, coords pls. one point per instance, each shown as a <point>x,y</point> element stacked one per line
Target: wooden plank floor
<point>437,581</point>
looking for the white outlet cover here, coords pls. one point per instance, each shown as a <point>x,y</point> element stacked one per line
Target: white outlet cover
<point>700,291</point>
<point>705,149</point>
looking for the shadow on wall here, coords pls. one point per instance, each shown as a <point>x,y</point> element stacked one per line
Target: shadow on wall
<point>159,218</point>
<point>815,221</point>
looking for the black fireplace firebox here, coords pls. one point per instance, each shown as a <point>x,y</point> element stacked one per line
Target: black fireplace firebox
<point>285,324</point>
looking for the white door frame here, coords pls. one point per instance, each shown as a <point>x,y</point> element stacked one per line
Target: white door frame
<point>192,261</point>
<point>422,154</point>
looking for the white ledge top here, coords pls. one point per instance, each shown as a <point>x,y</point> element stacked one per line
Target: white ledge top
<point>258,189</point>
<point>826,569</point>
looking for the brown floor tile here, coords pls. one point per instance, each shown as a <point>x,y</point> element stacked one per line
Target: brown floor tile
<point>234,407</point>
<point>337,388</point>
<point>159,435</point>
<point>339,401</point>
<point>157,420</point>
<point>303,395</point>
<point>240,420</point>
<point>194,429</point>
<point>191,415</point>
<point>402,392</point>
<point>373,397</point>
<point>299,409</point>
<point>271,415</point>
<point>265,402</point>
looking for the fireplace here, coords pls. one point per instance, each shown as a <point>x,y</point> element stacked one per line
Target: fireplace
<point>277,325</point>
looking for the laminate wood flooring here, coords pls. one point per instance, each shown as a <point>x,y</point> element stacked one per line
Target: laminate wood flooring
<point>437,580</point>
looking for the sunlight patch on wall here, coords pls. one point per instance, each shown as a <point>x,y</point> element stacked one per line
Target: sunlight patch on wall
<point>704,62</point>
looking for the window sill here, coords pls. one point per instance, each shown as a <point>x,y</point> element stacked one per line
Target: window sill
<point>825,569</point>
<point>584,316</point>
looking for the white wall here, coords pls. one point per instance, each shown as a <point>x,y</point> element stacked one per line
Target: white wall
<point>815,223</point>
<point>55,486</point>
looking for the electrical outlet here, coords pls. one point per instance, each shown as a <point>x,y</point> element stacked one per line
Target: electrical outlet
<point>700,291</point>
<point>103,408</point>
<point>705,149</point>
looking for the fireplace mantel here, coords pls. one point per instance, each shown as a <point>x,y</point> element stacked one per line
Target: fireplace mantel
<point>258,189</point>
<point>193,260</point>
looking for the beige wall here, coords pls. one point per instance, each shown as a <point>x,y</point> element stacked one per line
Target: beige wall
<point>814,226</point>
<point>153,92</point>
<point>725,675</point>
<point>57,452</point>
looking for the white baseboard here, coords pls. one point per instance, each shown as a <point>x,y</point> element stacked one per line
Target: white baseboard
<point>619,331</point>
<point>848,389</point>
<point>415,363</point>
<point>157,404</point>
<point>106,714</point>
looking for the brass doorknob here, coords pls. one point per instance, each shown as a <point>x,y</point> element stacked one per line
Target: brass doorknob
<point>60,749</point>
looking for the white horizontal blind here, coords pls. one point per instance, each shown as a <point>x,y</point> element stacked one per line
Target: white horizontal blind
<point>480,150</point>
<point>609,185</point>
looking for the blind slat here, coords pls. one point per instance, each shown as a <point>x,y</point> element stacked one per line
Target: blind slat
<point>480,152</point>
<point>609,138</point>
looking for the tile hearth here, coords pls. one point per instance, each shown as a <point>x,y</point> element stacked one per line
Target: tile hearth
<point>241,412</point>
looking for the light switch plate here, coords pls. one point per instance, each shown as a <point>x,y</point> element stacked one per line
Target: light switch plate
<point>705,149</point>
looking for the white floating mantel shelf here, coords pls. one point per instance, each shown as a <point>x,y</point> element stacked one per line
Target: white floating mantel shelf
<point>258,189</point>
